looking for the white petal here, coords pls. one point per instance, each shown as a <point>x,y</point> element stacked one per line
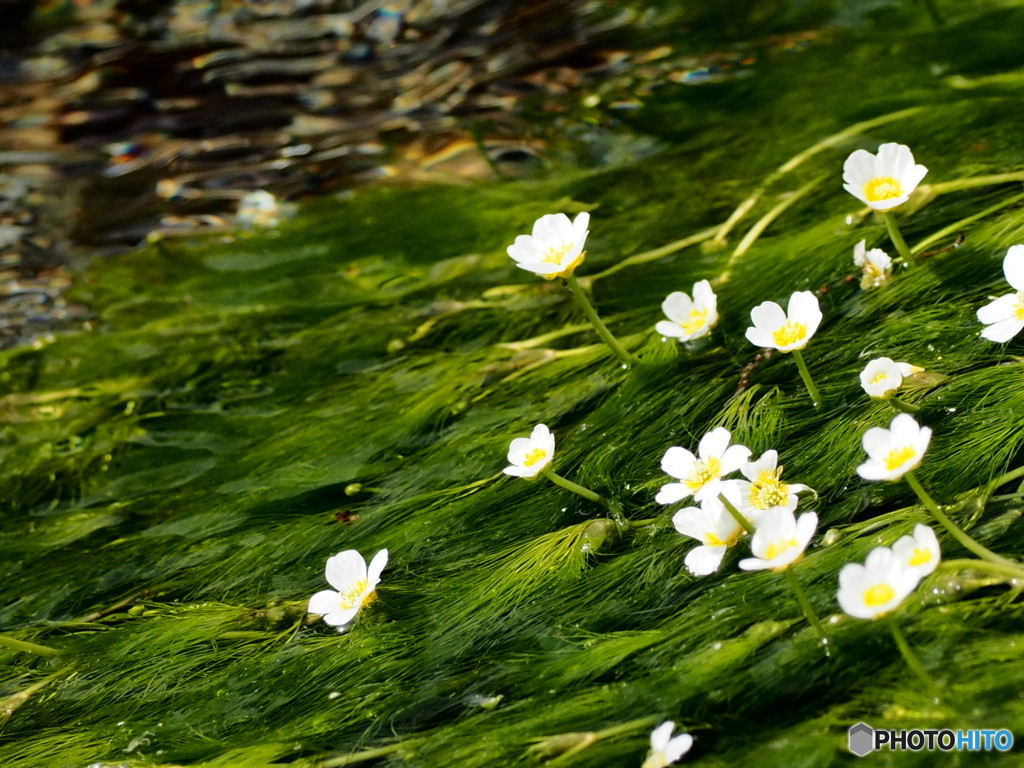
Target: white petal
<point>324,602</point>
<point>661,736</point>
<point>1003,308</point>
<point>704,560</point>
<point>760,337</point>
<point>714,443</point>
<point>1003,331</point>
<point>734,457</point>
<point>690,522</point>
<point>1013,266</point>
<point>553,229</point>
<point>755,564</point>
<point>678,747</point>
<point>671,493</point>
<point>373,571</point>
<point>672,330</point>
<point>345,569</point>
<point>678,462</point>
<point>768,316</point>
<point>677,306</point>
<point>342,617</point>
<point>804,308</point>
<point>859,169</point>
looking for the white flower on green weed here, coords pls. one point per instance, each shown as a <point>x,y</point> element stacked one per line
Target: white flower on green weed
<point>356,585</point>
<point>713,526</point>
<point>877,587</point>
<point>883,376</point>
<point>875,265</point>
<point>528,456</point>
<point>1005,316</point>
<point>895,451</point>
<point>690,318</point>
<point>764,489</point>
<point>555,248</point>
<point>919,552</point>
<point>262,209</point>
<point>665,749</point>
<point>780,539</point>
<point>701,476</point>
<point>885,180</point>
<point>785,331</point>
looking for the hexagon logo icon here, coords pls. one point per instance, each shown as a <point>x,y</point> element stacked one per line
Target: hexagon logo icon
<point>862,739</point>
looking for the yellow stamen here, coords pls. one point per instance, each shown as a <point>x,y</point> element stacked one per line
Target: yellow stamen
<point>777,548</point>
<point>880,594</point>
<point>899,456</point>
<point>706,471</point>
<point>1018,307</point>
<point>879,378</point>
<point>698,319</point>
<point>712,539</point>
<point>920,556</point>
<point>790,333</point>
<point>349,599</point>
<point>882,188</point>
<point>535,456</point>
<point>768,490</point>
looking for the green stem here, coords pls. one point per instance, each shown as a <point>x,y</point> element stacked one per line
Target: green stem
<point>983,565</point>
<point>569,485</point>
<point>908,654</point>
<point>966,541</point>
<point>897,239</point>
<point>602,330</point>
<point>27,647</point>
<point>805,604</point>
<point>805,374</point>
<point>903,406</point>
<point>738,516</point>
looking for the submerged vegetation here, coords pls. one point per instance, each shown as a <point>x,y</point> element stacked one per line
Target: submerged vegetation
<point>241,409</point>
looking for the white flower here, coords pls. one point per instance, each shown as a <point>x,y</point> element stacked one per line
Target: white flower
<point>885,180</point>
<point>262,209</point>
<point>1005,316</point>
<point>555,248</point>
<point>691,318</point>
<point>765,488</point>
<point>356,585</point>
<point>527,456</point>
<point>919,552</point>
<point>701,475</point>
<point>882,376</point>
<point>895,451</point>
<point>665,749</point>
<point>780,539</point>
<point>877,587</point>
<point>785,331</point>
<point>713,526</point>
<point>876,265</point>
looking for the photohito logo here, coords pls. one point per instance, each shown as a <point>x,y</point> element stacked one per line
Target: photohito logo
<point>865,739</point>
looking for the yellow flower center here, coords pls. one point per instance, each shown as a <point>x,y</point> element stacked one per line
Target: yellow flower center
<point>349,599</point>
<point>1018,307</point>
<point>555,254</point>
<point>777,548</point>
<point>790,333</point>
<point>882,188</point>
<point>705,472</point>
<point>698,319</point>
<point>534,457</point>
<point>879,378</point>
<point>920,556</point>
<point>768,490</point>
<point>880,594</point>
<point>712,540</point>
<point>899,456</point>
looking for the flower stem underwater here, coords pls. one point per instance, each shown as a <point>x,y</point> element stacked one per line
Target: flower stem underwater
<point>599,326</point>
